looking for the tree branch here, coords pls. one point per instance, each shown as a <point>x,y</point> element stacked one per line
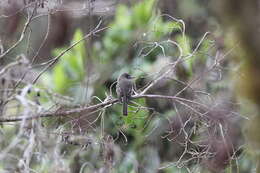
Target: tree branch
<point>92,108</point>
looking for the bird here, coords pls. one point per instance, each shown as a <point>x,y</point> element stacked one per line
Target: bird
<point>124,90</point>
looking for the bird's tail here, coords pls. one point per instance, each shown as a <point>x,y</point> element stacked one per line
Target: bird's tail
<point>124,105</point>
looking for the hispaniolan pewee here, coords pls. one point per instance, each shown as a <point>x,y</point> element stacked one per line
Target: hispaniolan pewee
<point>124,90</point>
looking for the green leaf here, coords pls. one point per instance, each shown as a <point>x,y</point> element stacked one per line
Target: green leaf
<point>59,78</point>
<point>142,12</point>
<point>184,43</point>
<point>136,117</point>
<point>70,67</point>
<point>79,52</point>
<point>123,18</point>
<point>204,49</point>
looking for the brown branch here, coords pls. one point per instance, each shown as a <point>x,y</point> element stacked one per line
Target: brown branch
<point>60,113</point>
<point>92,108</point>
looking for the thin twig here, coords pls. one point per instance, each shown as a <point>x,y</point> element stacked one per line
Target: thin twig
<point>21,36</point>
<point>54,60</point>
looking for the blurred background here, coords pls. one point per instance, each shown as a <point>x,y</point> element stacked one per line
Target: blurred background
<point>59,57</point>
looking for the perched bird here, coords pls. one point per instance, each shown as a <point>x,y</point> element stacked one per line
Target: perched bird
<point>124,90</point>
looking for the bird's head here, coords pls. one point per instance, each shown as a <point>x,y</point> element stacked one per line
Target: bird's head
<point>126,76</point>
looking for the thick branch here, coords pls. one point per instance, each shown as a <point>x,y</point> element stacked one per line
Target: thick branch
<point>93,108</point>
<point>61,113</point>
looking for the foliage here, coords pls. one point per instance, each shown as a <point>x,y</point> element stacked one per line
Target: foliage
<point>194,129</point>
<point>131,26</point>
<point>70,68</point>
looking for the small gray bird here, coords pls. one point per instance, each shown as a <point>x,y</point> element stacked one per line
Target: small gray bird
<point>124,90</point>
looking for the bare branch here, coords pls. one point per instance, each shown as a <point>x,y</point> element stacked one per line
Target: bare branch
<point>22,34</point>
<point>93,108</point>
<point>55,59</point>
